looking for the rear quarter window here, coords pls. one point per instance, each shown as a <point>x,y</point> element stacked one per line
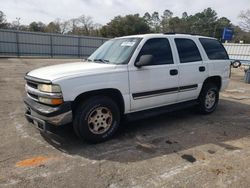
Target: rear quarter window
<point>214,49</point>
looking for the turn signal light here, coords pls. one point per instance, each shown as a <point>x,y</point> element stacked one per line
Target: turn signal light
<point>50,101</point>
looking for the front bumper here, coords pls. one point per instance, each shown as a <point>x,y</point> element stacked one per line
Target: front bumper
<point>44,115</point>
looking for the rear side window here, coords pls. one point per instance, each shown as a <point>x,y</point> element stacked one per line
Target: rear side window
<point>188,51</point>
<point>214,49</point>
<point>160,49</point>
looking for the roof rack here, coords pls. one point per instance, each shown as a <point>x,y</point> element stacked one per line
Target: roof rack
<point>174,33</point>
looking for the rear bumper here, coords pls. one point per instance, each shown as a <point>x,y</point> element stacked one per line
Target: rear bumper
<point>44,115</point>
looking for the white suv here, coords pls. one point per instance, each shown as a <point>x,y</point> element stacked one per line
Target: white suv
<point>132,76</point>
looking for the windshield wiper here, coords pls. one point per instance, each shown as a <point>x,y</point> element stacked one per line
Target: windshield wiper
<point>102,60</point>
<point>89,60</point>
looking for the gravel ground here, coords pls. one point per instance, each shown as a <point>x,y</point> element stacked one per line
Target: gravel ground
<point>180,149</point>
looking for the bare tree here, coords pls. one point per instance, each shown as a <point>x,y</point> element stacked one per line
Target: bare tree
<point>16,24</point>
<point>86,24</point>
<point>245,20</point>
<point>65,26</point>
<point>96,30</point>
<point>73,25</point>
<point>82,25</point>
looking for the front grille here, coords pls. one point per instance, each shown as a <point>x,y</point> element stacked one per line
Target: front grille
<point>31,88</point>
<point>32,96</point>
<point>34,93</point>
<point>32,84</point>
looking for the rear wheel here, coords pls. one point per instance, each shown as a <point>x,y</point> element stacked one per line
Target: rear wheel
<point>97,119</point>
<point>208,99</point>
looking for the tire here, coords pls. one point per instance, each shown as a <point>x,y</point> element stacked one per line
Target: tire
<point>96,119</point>
<point>208,99</point>
<point>236,64</point>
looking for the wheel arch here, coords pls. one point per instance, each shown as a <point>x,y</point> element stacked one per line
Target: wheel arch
<point>213,79</point>
<point>113,93</point>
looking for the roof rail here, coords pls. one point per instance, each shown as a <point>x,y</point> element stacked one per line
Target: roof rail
<point>174,33</point>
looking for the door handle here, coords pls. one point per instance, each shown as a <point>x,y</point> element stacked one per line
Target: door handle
<point>202,69</point>
<point>173,72</point>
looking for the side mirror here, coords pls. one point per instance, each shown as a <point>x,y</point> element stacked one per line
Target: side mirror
<point>144,61</point>
<point>236,64</point>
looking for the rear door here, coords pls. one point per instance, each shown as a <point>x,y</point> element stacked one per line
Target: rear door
<point>217,58</point>
<point>192,70</point>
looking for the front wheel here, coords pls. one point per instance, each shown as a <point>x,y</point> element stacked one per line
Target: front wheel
<point>208,99</point>
<point>97,119</point>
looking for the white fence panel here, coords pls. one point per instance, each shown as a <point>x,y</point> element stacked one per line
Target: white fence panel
<point>238,51</point>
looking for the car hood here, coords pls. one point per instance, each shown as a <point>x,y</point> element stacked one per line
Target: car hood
<point>71,69</point>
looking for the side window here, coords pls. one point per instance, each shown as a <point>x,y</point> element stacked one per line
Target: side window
<point>188,51</point>
<point>214,49</point>
<point>160,49</point>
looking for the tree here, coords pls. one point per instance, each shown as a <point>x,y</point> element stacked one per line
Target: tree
<point>175,24</point>
<point>156,22</point>
<point>245,20</point>
<point>184,15</point>
<point>153,21</point>
<point>3,23</point>
<point>241,35</point>
<point>96,30</point>
<point>203,22</point>
<point>53,27</point>
<point>166,17</point>
<point>73,26</point>
<point>85,24</point>
<point>184,23</point>
<point>37,27</point>
<point>167,14</point>
<point>220,24</point>
<point>64,25</point>
<point>147,18</point>
<point>127,25</point>
<point>16,26</point>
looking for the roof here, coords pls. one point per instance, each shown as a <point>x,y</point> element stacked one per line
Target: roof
<point>152,35</point>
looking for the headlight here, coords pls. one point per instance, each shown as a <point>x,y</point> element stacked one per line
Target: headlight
<point>50,101</point>
<point>49,88</point>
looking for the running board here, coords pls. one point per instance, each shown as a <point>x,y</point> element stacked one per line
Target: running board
<point>160,110</point>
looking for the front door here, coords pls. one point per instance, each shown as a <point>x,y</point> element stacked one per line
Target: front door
<point>155,84</point>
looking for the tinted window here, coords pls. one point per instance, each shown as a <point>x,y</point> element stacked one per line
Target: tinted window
<point>214,49</point>
<point>188,51</point>
<point>160,49</point>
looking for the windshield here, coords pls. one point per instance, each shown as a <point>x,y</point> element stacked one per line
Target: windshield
<point>115,51</point>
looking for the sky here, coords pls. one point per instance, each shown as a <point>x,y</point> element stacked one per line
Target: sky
<point>102,11</point>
